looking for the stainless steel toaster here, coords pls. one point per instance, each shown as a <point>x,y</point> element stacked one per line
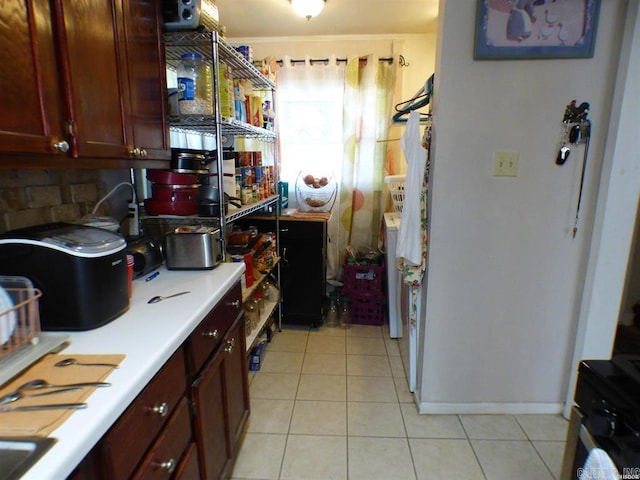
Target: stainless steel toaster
<point>193,248</point>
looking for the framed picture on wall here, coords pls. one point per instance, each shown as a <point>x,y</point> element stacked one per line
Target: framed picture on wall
<point>523,29</point>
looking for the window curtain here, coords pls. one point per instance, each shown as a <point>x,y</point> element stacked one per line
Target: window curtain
<point>368,100</point>
<point>331,115</point>
<point>310,103</point>
<point>309,117</point>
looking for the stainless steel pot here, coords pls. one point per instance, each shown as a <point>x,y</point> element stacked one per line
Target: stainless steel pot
<point>208,198</point>
<point>184,160</point>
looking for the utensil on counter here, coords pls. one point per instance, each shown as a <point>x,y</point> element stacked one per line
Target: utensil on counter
<point>40,383</point>
<point>72,361</point>
<point>18,395</point>
<point>53,406</point>
<point>158,298</point>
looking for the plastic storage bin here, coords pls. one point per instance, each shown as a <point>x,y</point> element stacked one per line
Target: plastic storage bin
<point>363,279</point>
<point>396,189</point>
<point>367,309</point>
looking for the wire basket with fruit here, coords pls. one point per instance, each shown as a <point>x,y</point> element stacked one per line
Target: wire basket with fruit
<point>316,193</point>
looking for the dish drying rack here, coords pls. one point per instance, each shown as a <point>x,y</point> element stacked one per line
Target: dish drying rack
<point>25,343</point>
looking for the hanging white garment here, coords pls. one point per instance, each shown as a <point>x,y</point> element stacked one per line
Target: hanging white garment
<point>410,235</point>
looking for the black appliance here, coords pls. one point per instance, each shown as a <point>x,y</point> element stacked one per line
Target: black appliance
<point>606,415</point>
<point>190,15</point>
<point>81,271</point>
<point>147,255</point>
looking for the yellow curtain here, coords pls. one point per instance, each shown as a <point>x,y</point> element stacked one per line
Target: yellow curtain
<point>368,99</point>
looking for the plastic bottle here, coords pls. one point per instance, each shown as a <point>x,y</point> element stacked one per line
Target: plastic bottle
<point>195,86</point>
<point>345,313</point>
<point>331,320</point>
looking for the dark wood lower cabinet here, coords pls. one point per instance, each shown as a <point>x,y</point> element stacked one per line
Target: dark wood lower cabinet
<point>189,468</point>
<point>210,429</point>
<point>187,422</point>
<point>166,455</point>
<point>236,383</point>
<point>221,404</point>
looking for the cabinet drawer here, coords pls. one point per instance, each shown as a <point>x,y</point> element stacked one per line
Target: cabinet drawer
<point>189,468</point>
<point>168,450</point>
<point>124,445</point>
<point>208,335</point>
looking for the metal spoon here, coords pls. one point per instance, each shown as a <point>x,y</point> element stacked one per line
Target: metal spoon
<point>157,298</point>
<point>72,361</point>
<point>40,383</point>
<point>17,395</point>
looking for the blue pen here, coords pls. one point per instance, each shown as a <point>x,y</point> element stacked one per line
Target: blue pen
<point>152,276</point>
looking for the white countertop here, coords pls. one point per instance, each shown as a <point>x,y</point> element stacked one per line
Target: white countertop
<point>147,334</point>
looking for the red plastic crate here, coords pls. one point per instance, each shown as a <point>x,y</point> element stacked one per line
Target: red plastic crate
<point>363,279</point>
<point>367,309</point>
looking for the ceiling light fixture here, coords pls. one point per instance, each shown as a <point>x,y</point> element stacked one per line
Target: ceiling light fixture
<point>308,8</point>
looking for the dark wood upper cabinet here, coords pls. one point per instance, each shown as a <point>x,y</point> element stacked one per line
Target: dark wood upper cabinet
<point>32,107</point>
<point>86,72</point>
<point>147,77</point>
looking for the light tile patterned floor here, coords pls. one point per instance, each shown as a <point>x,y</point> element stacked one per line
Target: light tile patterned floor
<point>334,404</point>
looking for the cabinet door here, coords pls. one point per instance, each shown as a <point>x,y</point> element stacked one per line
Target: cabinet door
<point>32,109</point>
<point>189,468</point>
<point>303,271</point>
<point>92,46</point>
<point>210,422</point>
<point>114,78</point>
<point>147,78</point>
<point>236,381</point>
<point>221,403</point>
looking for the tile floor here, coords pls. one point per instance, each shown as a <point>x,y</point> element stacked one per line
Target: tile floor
<point>334,404</point>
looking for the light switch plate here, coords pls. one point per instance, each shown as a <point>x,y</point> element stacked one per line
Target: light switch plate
<point>505,164</point>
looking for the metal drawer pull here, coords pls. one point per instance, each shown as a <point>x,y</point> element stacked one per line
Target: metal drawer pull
<point>169,465</point>
<point>161,409</point>
<point>213,334</point>
<point>234,304</point>
<point>230,344</point>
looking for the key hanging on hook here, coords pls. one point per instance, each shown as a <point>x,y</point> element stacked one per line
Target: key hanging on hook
<point>563,153</point>
<point>576,130</point>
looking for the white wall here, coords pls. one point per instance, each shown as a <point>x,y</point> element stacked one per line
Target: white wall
<point>505,275</point>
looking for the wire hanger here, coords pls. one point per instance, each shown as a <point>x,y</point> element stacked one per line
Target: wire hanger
<point>420,99</point>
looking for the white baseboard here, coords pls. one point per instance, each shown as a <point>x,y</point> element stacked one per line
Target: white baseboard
<point>490,408</point>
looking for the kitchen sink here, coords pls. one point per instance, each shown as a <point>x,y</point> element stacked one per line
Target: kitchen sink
<point>18,454</point>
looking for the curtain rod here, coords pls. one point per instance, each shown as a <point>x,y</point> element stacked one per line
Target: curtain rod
<point>339,60</point>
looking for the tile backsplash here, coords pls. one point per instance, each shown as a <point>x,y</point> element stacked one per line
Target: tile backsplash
<point>33,197</point>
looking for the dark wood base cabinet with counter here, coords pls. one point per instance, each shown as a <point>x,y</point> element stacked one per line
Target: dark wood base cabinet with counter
<point>303,266</point>
<point>187,422</point>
